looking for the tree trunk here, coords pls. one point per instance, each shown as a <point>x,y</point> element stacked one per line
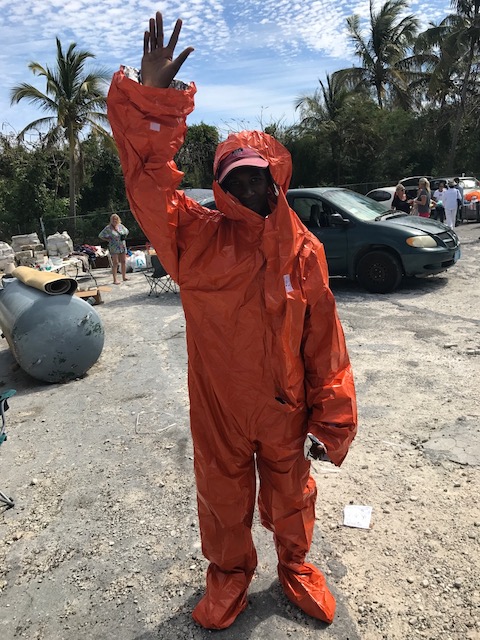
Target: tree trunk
<point>71,158</point>
<point>334,148</point>
<point>379,95</point>
<point>461,111</point>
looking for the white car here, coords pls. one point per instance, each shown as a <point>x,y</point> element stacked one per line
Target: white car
<point>383,195</point>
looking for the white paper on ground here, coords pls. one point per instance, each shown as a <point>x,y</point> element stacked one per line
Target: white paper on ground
<point>356,515</point>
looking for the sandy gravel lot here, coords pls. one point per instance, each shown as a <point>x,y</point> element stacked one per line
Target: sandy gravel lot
<point>103,541</point>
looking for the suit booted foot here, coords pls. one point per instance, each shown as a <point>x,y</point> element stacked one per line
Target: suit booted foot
<point>305,586</point>
<point>225,599</point>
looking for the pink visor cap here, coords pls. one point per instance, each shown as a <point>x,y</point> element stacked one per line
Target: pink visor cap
<point>240,158</point>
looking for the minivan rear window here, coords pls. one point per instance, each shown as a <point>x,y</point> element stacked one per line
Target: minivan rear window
<point>380,196</point>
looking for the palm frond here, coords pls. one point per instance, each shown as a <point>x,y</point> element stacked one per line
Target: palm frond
<point>32,95</point>
<point>37,125</point>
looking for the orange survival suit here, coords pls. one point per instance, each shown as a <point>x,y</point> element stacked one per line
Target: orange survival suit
<point>267,361</point>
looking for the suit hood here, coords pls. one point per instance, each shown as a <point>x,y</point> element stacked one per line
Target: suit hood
<point>278,158</point>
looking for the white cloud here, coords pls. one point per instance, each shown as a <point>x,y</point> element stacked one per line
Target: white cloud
<point>266,52</point>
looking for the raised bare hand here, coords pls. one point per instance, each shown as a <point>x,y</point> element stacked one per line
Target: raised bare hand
<point>158,66</point>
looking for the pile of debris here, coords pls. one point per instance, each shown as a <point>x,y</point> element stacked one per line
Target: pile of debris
<point>7,258</point>
<point>27,251</point>
<point>24,251</point>
<point>59,244</point>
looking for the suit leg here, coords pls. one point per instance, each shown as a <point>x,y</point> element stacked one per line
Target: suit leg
<point>287,507</point>
<point>226,486</point>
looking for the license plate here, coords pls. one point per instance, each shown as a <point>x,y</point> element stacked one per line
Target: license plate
<point>457,254</point>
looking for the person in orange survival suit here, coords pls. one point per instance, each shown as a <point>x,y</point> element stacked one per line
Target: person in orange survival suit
<point>270,381</point>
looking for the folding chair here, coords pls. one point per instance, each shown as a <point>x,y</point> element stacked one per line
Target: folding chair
<point>3,436</point>
<point>158,279</point>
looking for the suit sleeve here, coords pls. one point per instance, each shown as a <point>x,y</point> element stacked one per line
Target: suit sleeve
<point>149,126</point>
<point>329,385</point>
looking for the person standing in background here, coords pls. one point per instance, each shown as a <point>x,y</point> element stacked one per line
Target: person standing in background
<point>437,197</point>
<point>422,201</point>
<point>400,202</point>
<point>459,188</point>
<point>115,233</point>
<point>450,203</point>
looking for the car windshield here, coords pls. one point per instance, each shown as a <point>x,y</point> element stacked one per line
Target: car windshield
<point>469,183</point>
<point>356,204</point>
<point>209,203</point>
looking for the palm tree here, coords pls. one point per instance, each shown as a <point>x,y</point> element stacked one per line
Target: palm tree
<point>319,114</point>
<point>455,42</point>
<point>325,103</point>
<point>440,67</point>
<point>76,99</point>
<point>385,65</point>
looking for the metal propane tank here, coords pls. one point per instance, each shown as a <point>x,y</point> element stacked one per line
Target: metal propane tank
<point>53,338</point>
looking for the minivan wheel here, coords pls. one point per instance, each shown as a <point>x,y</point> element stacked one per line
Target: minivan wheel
<point>379,272</point>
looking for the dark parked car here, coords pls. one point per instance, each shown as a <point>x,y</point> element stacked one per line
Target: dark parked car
<point>199,194</point>
<point>366,241</point>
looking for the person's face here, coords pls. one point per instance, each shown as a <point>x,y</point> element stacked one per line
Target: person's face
<point>115,220</point>
<point>250,186</point>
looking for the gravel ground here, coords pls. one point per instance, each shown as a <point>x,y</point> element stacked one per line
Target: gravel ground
<point>103,540</point>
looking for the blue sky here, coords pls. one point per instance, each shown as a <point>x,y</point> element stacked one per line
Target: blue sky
<point>252,58</point>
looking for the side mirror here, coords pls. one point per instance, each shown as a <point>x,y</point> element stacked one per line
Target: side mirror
<point>336,220</point>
